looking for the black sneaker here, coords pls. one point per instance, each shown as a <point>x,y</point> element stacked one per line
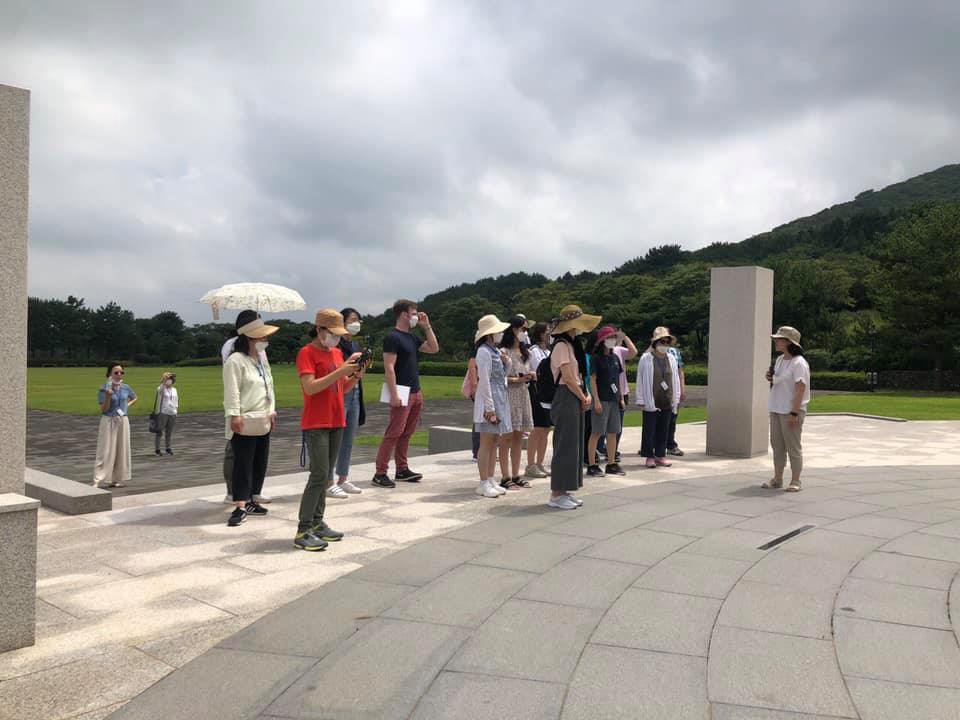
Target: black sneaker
<point>594,471</point>
<point>408,475</point>
<point>169,451</point>
<point>255,509</point>
<point>614,469</point>
<point>236,517</point>
<point>325,532</point>
<point>157,453</point>
<point>383,481</point>
<point>616,458</point>
<point>309,541</point>
<point>677,452</point>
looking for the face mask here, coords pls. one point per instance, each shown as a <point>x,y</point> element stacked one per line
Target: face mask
<point>497,338</point>
<point>331,341</point>
<point>662,349</point>
<point>353,328</point>
<point>525,338</point>
<point>261,346</point>
<point>168,383</point>
<point>610,343</point>
<point>414,319</point>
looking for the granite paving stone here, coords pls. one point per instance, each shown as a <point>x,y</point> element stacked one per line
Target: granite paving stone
<point>421,563</point>
<point>903,604</point>
<point>660,621</point>
<point>601,525</point>
<point>933,547</point>
<point>666,505</point>
<point>532,640</point>
<point>344,606</point>
<point>466,696</point>
<point>775,609</point>
<point>537,552</point>
<point>614,683</point>
<point>649,492</point>
<point>246,682</point>
<point>900,653</point>
<point>417,652</point>
<point>178,649</point>
<point>505,528</point>
<point>875,526</point>
<point>877,700</point>
<point>582,582</point>
<point>695,523</point>
<point>740,712</point>
<point>934,513</point>
<point>806,573</point>
<point>781,522</point>
<point>751,507</point>
<point>906,570</point>
<point>732,544</point>
<point>748,667</point>
<point>838,508</point>
<point>950,528</point>
<point>694,575</point>
<point>639,546</point>
<point>466,596</point>
<point>832,545</point>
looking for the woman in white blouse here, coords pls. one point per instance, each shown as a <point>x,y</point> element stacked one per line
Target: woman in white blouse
<point>167,405</point>
<point>789,380</point>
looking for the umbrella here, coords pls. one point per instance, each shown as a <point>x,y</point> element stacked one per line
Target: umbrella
<point>254,296</point>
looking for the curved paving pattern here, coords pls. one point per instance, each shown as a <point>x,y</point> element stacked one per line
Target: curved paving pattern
<point>652,601</point>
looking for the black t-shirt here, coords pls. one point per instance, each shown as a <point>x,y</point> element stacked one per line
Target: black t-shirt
<point>607,369</point>
<point>405,346</point>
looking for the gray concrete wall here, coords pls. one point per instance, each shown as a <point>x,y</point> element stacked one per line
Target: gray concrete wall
<point>741,320</point>
<point>14,179</point>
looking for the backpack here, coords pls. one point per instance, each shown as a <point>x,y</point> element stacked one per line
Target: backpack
<point>546,383</point>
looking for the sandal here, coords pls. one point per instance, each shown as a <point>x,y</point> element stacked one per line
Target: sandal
<point>509,484</point>
<point>521,482</point>
<point>772,485</point>
<point>792,488</point>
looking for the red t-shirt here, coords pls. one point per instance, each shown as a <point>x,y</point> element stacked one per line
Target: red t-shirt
<point>325,408</point>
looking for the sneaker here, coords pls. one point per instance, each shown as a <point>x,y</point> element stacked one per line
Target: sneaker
<point>236,517</point>
<point>662,462</point>
<point>614,469</point>
<point>601,457</point>
<point>383,481</point>
<point>594,471</point>
<point>651,463</point>
<point>676,452</point>
<point>157,453</point>
<point>562,502</point>
<point>546,473</point>
<point>485,489</point>
<point>576,501</point>
<point>169,451</point>
<point>325,532</point>
<point>533,471</point>
<point>309,541</point>
<point>499,489</point>
<point>408,475</point>
<point>255,509</point>
<point>262,499</point>
<point>616,458</point>
<point>228,499</point>
<point>335,491</point>
<point>349,487</point>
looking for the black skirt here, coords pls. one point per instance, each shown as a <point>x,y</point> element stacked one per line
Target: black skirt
<point>541,416</point>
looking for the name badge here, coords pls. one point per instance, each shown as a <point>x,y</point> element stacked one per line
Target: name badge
<point>664,385</point>
<point>614,388</point>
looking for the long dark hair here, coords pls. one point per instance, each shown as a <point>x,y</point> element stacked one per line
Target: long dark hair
<point>242,345</point>
<point>244,317</point>
<point>577,345</point>
<point>795,350</point>
<point>537,332</point>
<point>509,338</point>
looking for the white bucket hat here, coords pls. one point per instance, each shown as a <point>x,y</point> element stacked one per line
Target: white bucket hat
<point>489,325</point>
<point>785,332</point>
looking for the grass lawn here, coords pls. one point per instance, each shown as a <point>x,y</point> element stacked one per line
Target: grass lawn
<point>74,390</point>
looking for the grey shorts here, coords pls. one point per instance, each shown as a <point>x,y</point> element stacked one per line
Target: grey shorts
<point>608,421</point>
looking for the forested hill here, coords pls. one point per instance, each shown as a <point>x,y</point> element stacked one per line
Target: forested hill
<point>825,265</point>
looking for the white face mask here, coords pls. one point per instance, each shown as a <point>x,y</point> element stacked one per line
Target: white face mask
<point>331,340</point>
<point>497,337</point>
<point>610,343</point>
<point>662,349</point>
<point>168,383</point>
<point>261,346</point>
<point>353,328</point>
<point>414,320</point>
<point>525,338</point>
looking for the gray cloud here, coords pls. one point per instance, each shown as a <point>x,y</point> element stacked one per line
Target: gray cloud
<point>358,151</point>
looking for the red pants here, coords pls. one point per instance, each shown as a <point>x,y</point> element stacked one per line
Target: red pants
<point>396,438</point>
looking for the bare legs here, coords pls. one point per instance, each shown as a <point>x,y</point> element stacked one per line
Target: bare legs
<point>511,448</point>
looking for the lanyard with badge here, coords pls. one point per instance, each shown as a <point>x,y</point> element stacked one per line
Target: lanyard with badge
<point>263,376</point>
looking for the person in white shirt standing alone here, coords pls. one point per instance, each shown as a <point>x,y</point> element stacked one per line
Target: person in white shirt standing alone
<point>789,379</point>
<point>168,402</point>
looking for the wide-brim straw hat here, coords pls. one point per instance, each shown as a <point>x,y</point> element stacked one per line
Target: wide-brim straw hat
<point>573,318</point>
<point>331,320</point>
<point>785,332</point>
<point>257,329</point>
<point>489,325</point>
<point>660,333</point>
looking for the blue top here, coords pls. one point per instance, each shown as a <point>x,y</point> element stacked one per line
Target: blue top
<point>676,353</point>
<point>119,400</point>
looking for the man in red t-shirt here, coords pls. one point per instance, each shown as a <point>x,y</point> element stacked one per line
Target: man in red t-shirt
<point>324,377</point>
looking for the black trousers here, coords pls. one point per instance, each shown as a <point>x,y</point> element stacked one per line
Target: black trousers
<point>250,456</point>
<point>656,426</point>
<point>566,467</point>
<point>672,432</point>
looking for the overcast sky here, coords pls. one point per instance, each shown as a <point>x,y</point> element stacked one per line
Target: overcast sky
<point>360,151</point>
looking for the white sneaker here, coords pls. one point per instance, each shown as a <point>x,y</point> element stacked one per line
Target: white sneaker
<point>577,501</point>
<point>485,489</point>
<point>262,499</point>
<point>350,487</point>
<point>496,487</point>
<point>228,499</point>
<point>533,471</point>
<point>546,473</point>
<point>562,502</point>
<point>335,491</point>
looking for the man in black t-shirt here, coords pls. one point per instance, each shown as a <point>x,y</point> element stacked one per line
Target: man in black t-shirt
<point>401,370</point>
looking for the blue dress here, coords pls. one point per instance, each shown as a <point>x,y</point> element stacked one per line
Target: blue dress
<point>492,375</point>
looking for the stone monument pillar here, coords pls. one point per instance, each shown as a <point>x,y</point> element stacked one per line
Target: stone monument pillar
<point>18,514</point>
<point>741,320</point>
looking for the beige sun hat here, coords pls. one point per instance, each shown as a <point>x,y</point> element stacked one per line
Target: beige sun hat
<point>660,333</point>
<point>257,329</point>
<point>785,332</point>
<point>331,320</point>
<point>489,325</point>
<point>573,318</point>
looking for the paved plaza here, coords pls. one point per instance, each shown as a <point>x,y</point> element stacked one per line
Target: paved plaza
<point>655,600</point>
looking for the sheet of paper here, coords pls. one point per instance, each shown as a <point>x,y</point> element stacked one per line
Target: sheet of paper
<point>402,390</point>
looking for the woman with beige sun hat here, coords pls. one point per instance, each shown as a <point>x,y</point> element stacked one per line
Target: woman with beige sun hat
<point>491,407</point>
<point>658,395</point>
<point>789,395</point>
<point>568,365</point>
